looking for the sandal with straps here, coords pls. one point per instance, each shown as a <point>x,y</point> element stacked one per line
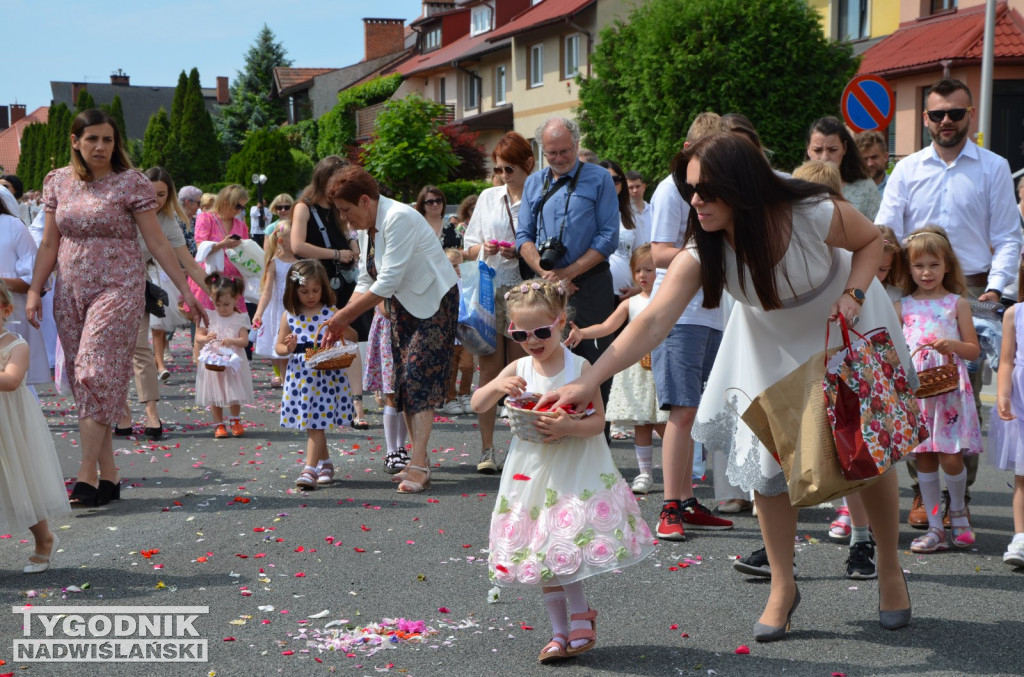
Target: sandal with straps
<point>325,473</point>
<point>307,478</point>
<point>408,486</point>
<point>840,529</point>
<point>963,537</point>
<point>591,634</point>
<point>555,649</point>
<point>934,540</point>
<point>396,461</point>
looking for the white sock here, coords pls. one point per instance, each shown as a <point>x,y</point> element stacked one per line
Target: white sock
<point>644,457</point>
<point>577,605</point>
<point>860,534</point>
<point>931,495</point>
<point>391,429</point>
<point>555,602</point>
<point>403,431</point>
<point>957,487</point>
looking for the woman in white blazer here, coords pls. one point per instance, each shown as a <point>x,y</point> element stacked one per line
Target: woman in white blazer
<point>404,266</point>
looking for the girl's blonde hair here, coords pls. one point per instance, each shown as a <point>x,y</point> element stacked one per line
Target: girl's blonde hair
<point>639,254</point>
<point>228,197</point>
<point>303,272</point>
<point>932,240</point>
<point>271,245</point>
<point>819,171</point>
<point>5,297</point>
<point>206,201</point>
<point>897,276</point>
<point>533,293</point>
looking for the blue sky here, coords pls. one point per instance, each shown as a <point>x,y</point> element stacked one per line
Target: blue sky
<point>153,42</point>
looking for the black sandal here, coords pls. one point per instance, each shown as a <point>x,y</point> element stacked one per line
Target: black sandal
<point>107,492</point>
<point>83,495</point>
<point>155,433</point>
<point>396,461</point>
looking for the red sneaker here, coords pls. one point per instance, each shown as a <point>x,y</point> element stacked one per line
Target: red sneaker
<point>696,516</point>
<point>670,525</point>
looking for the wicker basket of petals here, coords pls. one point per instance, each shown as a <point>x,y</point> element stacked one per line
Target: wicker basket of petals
<point>939,380</point>
<point>337,356</point>
<point>522,414</point>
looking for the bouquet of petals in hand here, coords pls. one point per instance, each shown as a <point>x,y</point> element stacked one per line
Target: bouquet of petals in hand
<point>219,358</point>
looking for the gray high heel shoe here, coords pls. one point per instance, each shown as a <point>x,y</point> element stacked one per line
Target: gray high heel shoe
<point>771,633</point>
<point>894,620</point>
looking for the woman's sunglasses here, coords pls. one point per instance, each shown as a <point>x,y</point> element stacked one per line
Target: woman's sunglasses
<point>504,170</point>
<point>955,114</point>
<point>523,335</point>
<point>434,201</point>
<point>701,190</point>
<point>283,208</point>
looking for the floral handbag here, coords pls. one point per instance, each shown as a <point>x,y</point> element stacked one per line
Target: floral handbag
<point>871,408</point>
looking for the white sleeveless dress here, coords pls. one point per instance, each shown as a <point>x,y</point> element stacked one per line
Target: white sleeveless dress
<point>31,483</point>
<point>563,512</point>
<point>760,347</point>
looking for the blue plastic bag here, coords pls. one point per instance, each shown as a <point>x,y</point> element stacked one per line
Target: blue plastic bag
<point>476,330</point>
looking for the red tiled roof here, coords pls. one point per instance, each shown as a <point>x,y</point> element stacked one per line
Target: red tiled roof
<point>289,78</point>
<point>543,13</point>
<point>923,45</point>
<point>461,49</point>
<point>10,138</point>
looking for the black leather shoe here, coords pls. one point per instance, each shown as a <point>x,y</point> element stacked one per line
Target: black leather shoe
<point>155,433</point>
<point>107,492</point>
<point>83,495</point>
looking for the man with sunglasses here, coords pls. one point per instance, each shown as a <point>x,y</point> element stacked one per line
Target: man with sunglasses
<point>968,190</point>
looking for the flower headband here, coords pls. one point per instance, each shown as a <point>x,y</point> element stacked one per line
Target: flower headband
<point>536,286</point>
<point>297,278</point>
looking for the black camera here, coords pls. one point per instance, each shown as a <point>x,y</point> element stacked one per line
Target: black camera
<point>551,250</point>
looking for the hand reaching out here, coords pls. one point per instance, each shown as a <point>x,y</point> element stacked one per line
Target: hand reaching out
<point>575,336</point>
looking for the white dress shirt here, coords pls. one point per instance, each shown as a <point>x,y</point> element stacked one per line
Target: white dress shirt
<point>972,198</point>
<point>254,220</point>
<point>490,221</point>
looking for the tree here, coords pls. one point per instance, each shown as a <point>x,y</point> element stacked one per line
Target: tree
<point>84,101</point>
<point>471,154</point>
<point>154,143</point>
<point>33,147</point>
<point>197,147</point>
<point>674,59</point>
<point>336,134</point>
<point>265,151</point>
<point>251,107</point>
<point>116,111</point>
<point>174,161</point>
<point>409,150</point>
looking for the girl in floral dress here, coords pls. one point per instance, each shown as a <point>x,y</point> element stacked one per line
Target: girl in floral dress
<point>563,512</point>
<point>313,400</point>
<point>935,314</point>
<point>379,376</point>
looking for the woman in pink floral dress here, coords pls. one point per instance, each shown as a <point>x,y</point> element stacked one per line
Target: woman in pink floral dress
<point>95,208</point>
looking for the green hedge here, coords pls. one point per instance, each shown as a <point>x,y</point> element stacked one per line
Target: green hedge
<point>456,191</point>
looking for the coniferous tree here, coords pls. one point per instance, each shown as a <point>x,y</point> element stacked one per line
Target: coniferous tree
<point>116,111</point>
<point>266,151</point>
<point>175,161</point>
<point>197,141</point>
<point>251,107</point>
<point>154,144</point>
<point>29,151</point>
<point>84,101</point>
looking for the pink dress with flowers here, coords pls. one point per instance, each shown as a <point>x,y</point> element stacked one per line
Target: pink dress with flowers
<point>563,512</point>
<point>951,419</point>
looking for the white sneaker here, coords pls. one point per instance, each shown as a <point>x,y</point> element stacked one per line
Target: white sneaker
<point>466,406</point>
<point>452,408</point>
<point>642,483</point>
<point>1014,555</point>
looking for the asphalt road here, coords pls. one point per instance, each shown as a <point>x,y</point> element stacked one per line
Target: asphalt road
<point>292,580</point>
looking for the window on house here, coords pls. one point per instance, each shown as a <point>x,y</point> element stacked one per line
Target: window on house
<point>536,65</point>
<point>472,91</point>
<point>480,20</point>
<point>943,6</point>
<point>570,56</point>
<point>535,2</point>
<point>538,157</point>
<point>432,39</point>
<point>853,20</point>
<point>500,85</point>
<point>442,96</point>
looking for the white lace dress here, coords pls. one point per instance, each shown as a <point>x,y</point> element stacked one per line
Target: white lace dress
<point>760,347</point>
<point>31,483</point>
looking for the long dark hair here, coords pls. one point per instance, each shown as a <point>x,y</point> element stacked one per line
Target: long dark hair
<point>625,211</point>
<point>852,166</point>
<point>739,174</point>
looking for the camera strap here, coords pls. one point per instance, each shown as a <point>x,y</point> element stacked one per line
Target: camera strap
<point>550,190</point>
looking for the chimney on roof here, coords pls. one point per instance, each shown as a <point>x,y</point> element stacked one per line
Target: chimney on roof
<point>5,120</point>
<point>382,37</point>
<point>17,112</point>
<point>120,78</point>
<point>223,93</point>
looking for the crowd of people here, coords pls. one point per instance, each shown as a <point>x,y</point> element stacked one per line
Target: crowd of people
<point>614,317</point>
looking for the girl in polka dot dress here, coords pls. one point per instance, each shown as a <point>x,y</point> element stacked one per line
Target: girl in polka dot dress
<point>313,400</point>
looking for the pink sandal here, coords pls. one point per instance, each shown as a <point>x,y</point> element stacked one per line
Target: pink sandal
<point>555,649</point>
<point>840,528</point>
<point>963,537</point>
<point>325,473</point>
<point>307,479</point>
<point>591,634</point>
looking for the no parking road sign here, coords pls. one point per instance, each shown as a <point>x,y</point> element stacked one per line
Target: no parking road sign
<point>868,103</point>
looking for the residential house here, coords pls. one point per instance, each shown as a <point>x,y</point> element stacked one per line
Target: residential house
<point>13,122</point>
<point>945,38</point>
<point>861,23</point>
<point>139,102</point>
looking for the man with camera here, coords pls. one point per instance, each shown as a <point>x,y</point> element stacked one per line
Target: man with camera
<point>568,227</point>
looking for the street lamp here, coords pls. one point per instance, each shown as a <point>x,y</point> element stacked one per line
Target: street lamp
<point>259,180</point>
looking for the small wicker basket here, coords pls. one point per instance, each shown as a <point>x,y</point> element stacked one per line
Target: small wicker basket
<point>214,367</point>
<point>522,419</point>
<point>341,361</point>
<point>939,380</point>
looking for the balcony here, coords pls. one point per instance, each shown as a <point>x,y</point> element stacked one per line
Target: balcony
<point>366,118</point>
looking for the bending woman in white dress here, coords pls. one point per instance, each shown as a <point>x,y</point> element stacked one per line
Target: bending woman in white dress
<point>782,248</point>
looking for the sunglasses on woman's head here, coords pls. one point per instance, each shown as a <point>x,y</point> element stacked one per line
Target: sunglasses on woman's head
<point>701,190</point>
<point>508,169</point>
<point>434,201</point>
<point>523,335</point>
